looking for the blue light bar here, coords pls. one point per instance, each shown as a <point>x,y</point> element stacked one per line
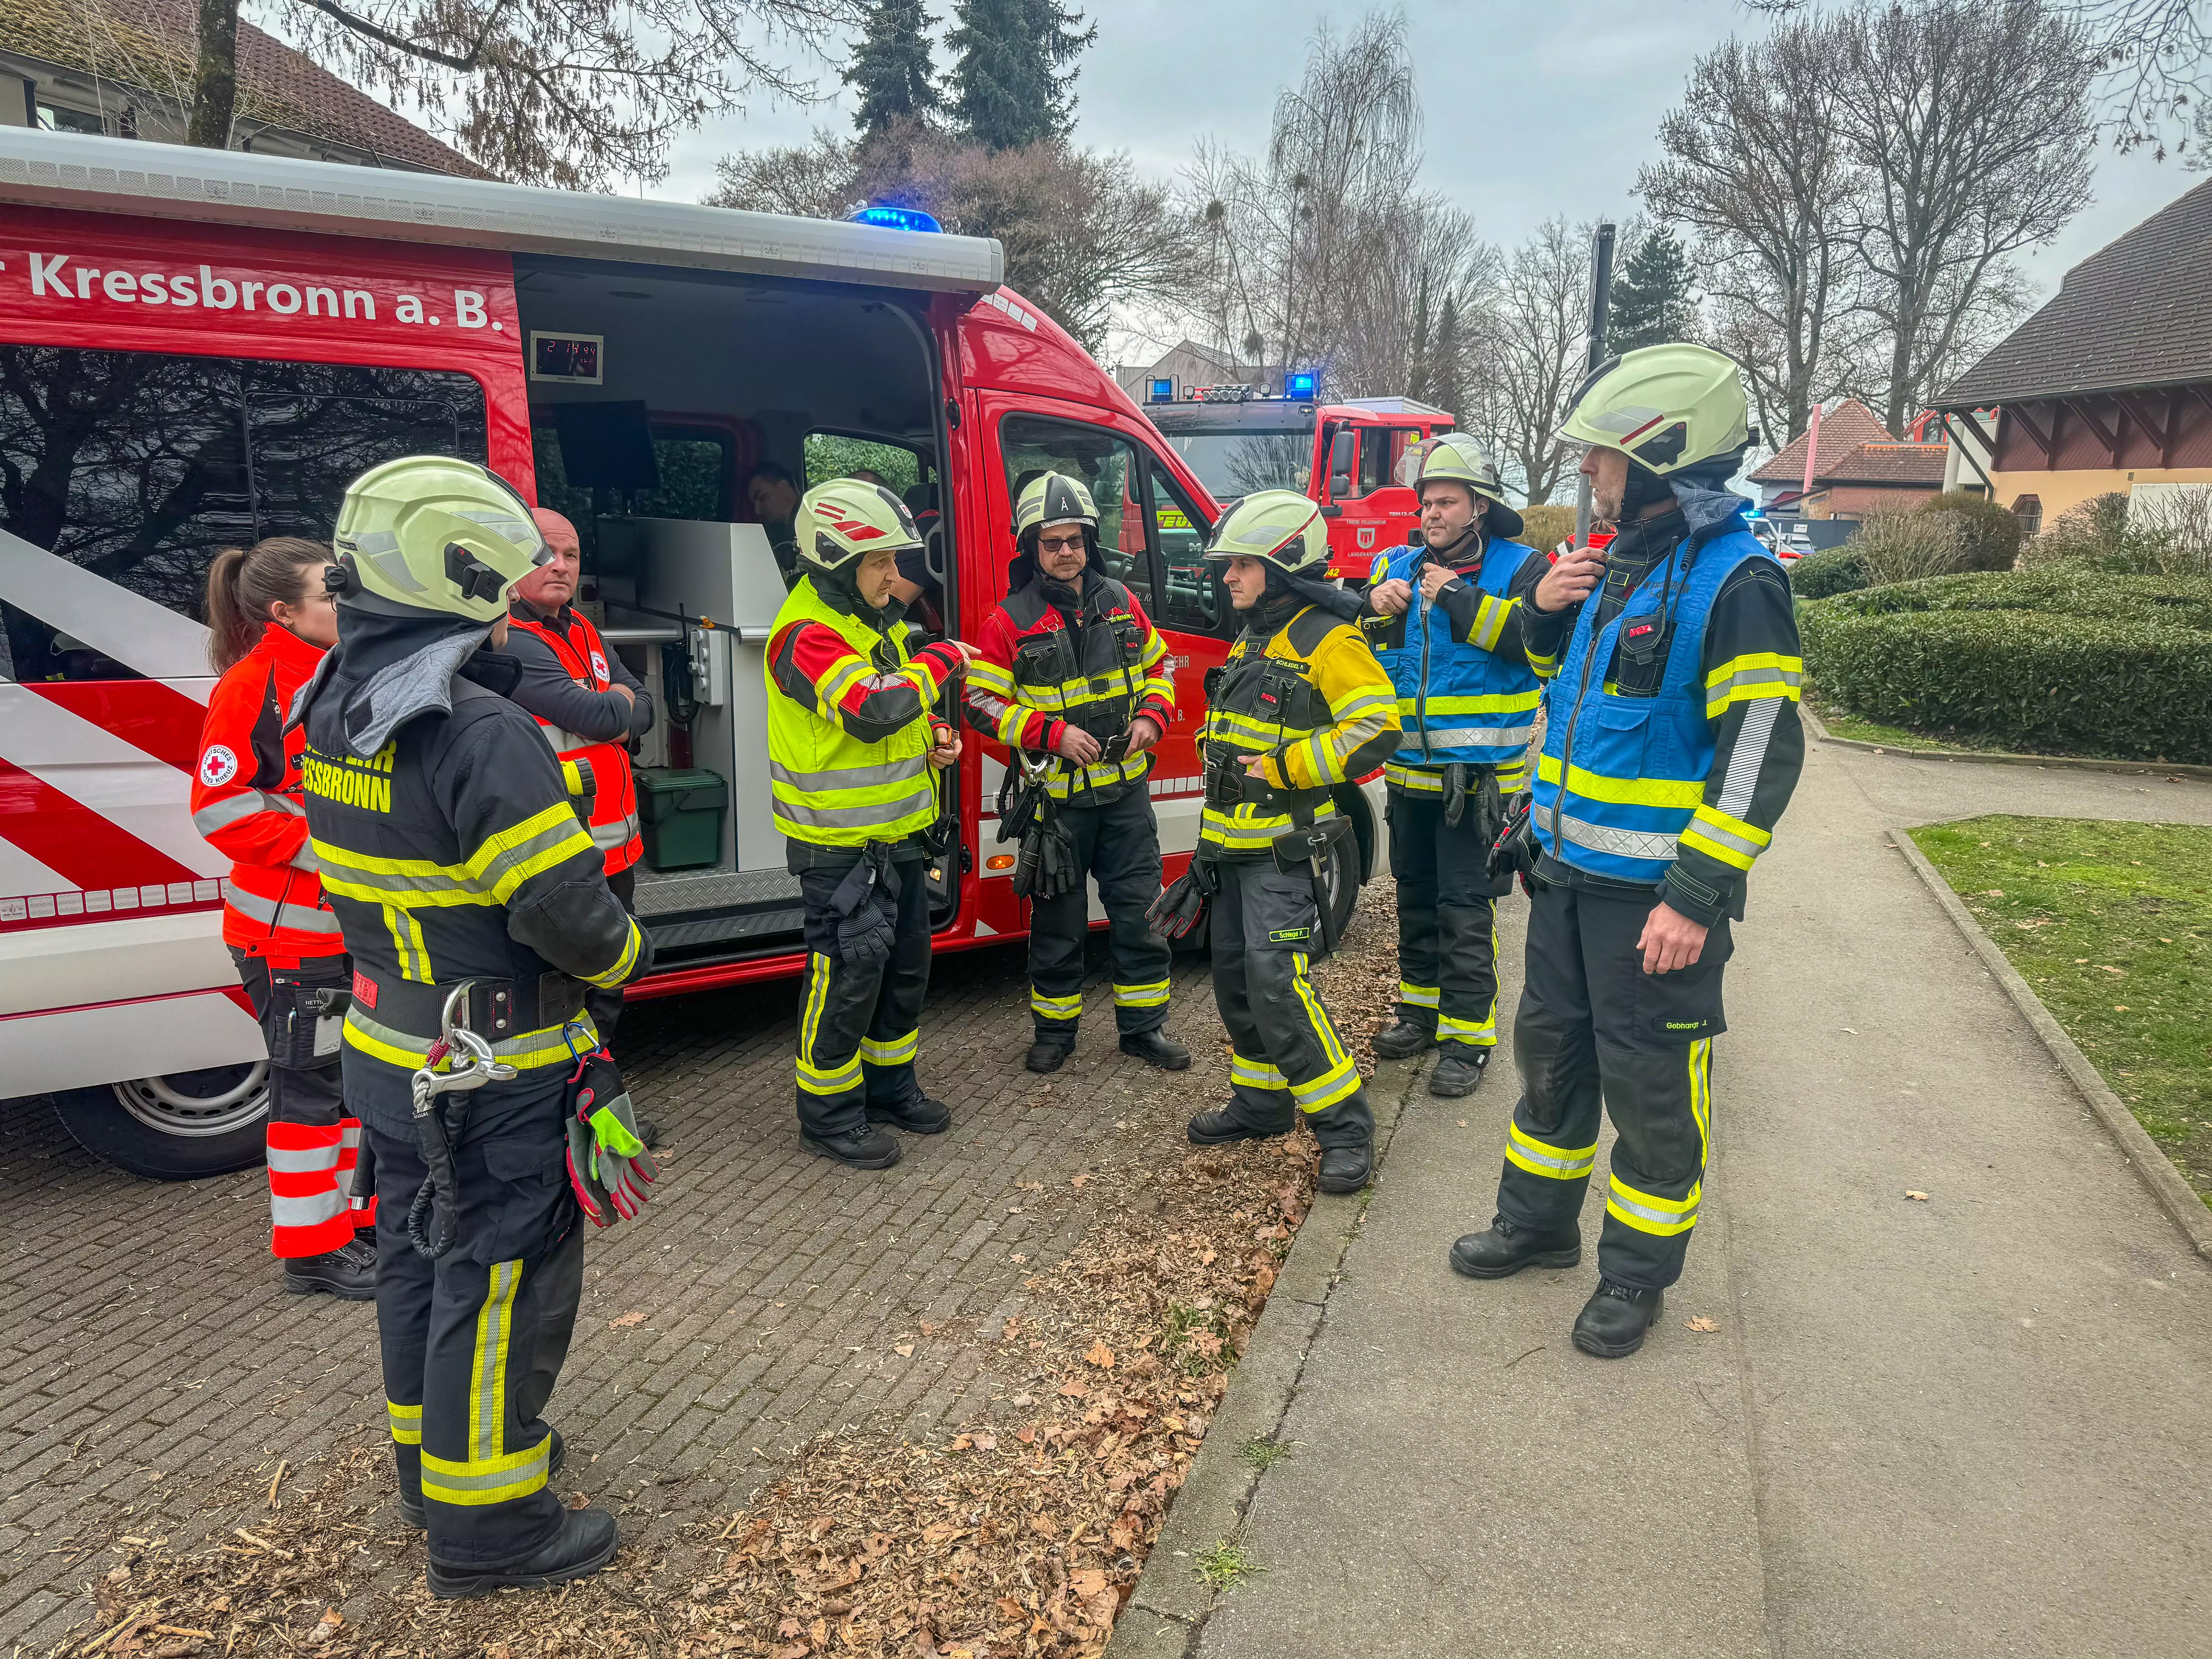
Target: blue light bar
<point>896,218</point>
<point>1301,385</point>
<point>1162,392</point>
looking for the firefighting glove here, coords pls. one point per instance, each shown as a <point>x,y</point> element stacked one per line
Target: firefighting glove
<point>608,1167</point>
<point>1515,849</point>
<point>1454,793</point>
<point>865,933</point>
<point>1182,906</point>
<point>1046,868</point>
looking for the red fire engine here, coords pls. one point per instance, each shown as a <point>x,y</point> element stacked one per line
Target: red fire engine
<point>199,349</point>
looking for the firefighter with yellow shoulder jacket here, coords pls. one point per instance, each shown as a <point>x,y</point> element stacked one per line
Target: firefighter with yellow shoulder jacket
<point>1302,706</point>
<point>1671,747</point>
<point>855,744</point>
<point>476,909</point>
<point>1070,675</point>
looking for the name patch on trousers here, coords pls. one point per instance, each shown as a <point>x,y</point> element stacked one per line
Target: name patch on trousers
<point>1684,1028</point>
<point>1289,935</point>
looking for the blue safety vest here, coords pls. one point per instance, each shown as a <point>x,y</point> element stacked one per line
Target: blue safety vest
<point>1460,702</point>
<point>1621,777</point>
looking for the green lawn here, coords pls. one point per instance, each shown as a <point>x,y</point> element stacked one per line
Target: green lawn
<point>2111,925</point>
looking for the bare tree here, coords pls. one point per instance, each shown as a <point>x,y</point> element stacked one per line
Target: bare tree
<point>1968,126</point>
<point>1753,167</point>
<point>570,93</point>
<point>1314,254</point>
<point>1538,338</point>
<point>1085,236</point>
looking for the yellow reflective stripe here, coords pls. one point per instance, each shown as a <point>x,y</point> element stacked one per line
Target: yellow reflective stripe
<point>406,942</point>
<point>1701,1095</point>
<point>1624,792</point>
<point>816,1081</point>
<point>487,1390</point>
<point>608,978</point>
<point>1542,666</point>
<point>406,1423</point>
<point>814,1078</point>
<point>1753,662</point>
<point>991,677</point>
<point>482,1480</point>
<point>1417,996</point>
<point>1664,1217</point>
<point>1141,996</point>
<point>1055,1007</point>
<point>1490,619</point>
<point>1755,674</point>
<point>1540,1159</point>
<point>1490,702</point>
<point>1256,1073</point>
<point>1360,701</point>
<point>1315,1012</point>
<point>507,858</point>
<point>1319,1094</point>
<point>1413,779</point>
<point>839,679</point>
<point>1731,840</point>
<point>548,1046</point>
<point>1478,1034</point>
<point>891,1051</point>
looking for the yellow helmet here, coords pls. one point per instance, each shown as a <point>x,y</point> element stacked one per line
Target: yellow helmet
<point>1666,407</point>
<point>1277,526</point>
<point>843,520</point>
<point>1453,456</point>
<point>1053,498</point>
<point>430,532</point>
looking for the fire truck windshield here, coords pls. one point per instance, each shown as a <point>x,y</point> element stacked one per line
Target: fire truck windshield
<point>1236,463</point>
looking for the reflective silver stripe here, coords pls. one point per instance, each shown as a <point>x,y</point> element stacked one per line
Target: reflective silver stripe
<point>302,1160</point>
<point>307,1212</point>
<point>1602,838</point>
<point>850,777</point>
<point>305,859</point>
<point>299,918</point>
<point>1789,676</point>
<point>1670,1219</point>
<point>871,812</point>
<point>1477,737</point>
<point>562,740</point>
<point>616,833</point>
<point>248,803</point>
<point>1747,757</point>
<point>1706,830</point>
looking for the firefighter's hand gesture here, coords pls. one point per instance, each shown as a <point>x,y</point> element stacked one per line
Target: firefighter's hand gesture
<point>1077,745</point>
<point>1391,599</point>
<point>944,745</point>
<point>1571,580</point>
<point>1435,579</point>
<point>1144,732</point>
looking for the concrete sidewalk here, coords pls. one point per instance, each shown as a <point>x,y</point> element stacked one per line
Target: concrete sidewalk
<point>1976,1425</point>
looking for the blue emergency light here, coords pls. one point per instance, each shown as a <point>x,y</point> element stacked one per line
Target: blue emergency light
<point>1162,392</point>
<point>1301,385</point>
<point>896,218</point>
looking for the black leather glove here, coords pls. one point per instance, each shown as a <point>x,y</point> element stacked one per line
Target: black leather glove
<point>1181,904</point>
<point>865,935</point>
<point>1454,793</point>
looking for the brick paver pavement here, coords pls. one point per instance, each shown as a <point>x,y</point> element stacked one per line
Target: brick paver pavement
<point>148,1352</point>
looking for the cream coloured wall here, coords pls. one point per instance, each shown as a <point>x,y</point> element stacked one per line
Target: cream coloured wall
<point>2059,492</point>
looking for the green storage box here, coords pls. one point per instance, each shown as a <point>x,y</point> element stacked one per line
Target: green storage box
<point>682,813</point>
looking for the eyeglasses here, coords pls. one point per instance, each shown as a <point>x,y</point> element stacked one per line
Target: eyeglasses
<point>1060,544</point>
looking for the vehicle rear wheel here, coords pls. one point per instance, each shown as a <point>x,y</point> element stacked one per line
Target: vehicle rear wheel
<point>176,1127</point>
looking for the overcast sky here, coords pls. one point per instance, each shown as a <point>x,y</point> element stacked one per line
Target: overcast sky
<point>1534,106</point>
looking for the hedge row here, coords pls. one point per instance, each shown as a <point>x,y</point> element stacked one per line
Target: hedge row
<point>2061,590</point>
<point>1987,663</point>
<point>1821,575</point>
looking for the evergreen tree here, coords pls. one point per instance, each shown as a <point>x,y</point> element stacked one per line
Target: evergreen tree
<point>1447,363</point>
<point>1416,370</point>
<point>1013,75</point>
<point>1651,302</point>
<point>892,68</point>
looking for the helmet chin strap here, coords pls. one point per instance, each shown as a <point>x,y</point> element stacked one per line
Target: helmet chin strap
<point>1644,489</point>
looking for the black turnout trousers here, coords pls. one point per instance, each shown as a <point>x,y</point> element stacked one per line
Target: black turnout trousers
<point>859,1029</point>
<point>1447,920</point>
<point>1287,1057</point>
<point>1118,844</point>
<point>473,1342</point>
<point>1594,1026</point>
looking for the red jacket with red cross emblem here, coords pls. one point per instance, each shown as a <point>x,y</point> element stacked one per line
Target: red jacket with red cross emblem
<point>246,803</point>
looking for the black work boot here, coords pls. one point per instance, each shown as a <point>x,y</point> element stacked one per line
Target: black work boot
<point>1157,1048</point>
<point>1047,1052</point>
<point>1612,1322</point>
<point>918,1114</point>
<point>1509,1247</point>
<point>1221,1126</point>
<point>587,1540</point>
<point>347,1272</point>
<point>1402,1039</point>
<point>1346,1169</point>
<point>863,1147</point>
<point>648,1131</point>
<point>1459,1071</point>
<point>410,1508</point>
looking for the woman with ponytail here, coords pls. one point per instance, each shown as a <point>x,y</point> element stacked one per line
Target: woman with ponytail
<point>269,621</point>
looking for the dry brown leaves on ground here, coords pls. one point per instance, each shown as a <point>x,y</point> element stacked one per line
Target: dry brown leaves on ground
<point>1017,1534</point>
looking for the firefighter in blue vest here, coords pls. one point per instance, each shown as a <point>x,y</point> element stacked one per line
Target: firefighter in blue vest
<point>1671,746</point>
<point>1447,629</point>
